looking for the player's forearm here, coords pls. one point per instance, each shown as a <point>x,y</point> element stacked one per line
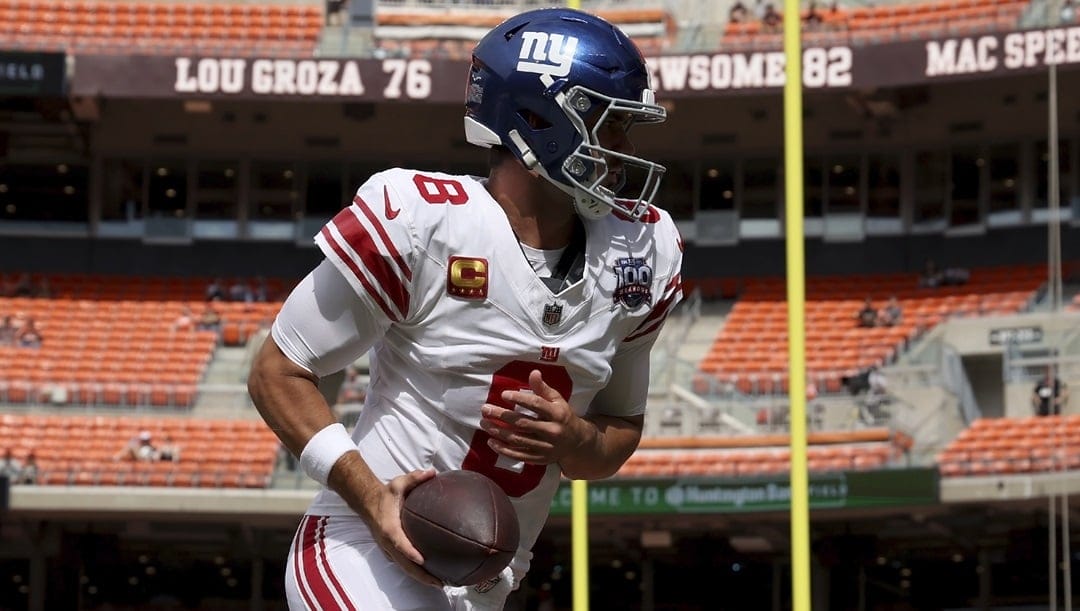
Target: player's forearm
<point>607,443</point>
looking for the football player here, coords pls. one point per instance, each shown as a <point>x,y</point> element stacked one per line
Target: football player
<point>509,318</point>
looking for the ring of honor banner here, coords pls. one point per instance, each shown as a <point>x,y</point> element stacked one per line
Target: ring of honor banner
<point>707,74</point>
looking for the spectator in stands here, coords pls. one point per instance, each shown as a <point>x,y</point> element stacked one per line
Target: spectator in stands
<point>261,293</point>
<point>772,19</point>
<point>139,448</point>
<point>773,417</point>
<point>215,290</point>
<point>336,13</point>
<point>44,289</point>
<point>934,276</point>
<point>29,336</point>
<point>878,394</point>
<point>1050,395</point>
<point>738,12</point>
<point>21,287</point>
<point>759,9</point>
<point>169,450</point>
<point>890,315</point>
<point>29,472</point>
<point>10,466</point>
<point>955,276</point>
<point>931,276</point>
<point>185,321</point>
<point>813,17</point>
<point>867,316</point>
<point>209,320</point>
<point>8,330</point>
<point>240,291</point>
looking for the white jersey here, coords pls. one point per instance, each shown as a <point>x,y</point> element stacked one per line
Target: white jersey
<point>434,257</point>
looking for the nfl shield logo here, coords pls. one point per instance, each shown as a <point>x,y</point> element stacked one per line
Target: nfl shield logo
<point>552,314</point>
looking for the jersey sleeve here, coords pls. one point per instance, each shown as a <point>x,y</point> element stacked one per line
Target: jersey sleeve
<point>669,285</point>
<point>627,390</point>
<point>372,244</point>
<point>322,326</point>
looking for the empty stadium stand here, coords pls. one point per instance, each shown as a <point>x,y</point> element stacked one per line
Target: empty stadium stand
<point>416,30</point>
<point>885,22</point>
<point>1001,446</point>
<point>742,456</point>
<point>109,340</point>
<point>749,354</point>
<point>104,26</point>
<point>81,450</point>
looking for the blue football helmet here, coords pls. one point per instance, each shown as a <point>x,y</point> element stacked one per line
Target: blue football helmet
<point>543,83</point>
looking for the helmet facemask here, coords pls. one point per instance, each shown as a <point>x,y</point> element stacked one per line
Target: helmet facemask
<point>587,167</point>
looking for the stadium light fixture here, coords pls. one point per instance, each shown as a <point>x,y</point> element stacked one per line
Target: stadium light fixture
<point>750,544</point>
<point>656,538</point>
<point>198,106</point>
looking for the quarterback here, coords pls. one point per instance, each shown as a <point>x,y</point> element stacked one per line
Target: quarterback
<point>509,318</point>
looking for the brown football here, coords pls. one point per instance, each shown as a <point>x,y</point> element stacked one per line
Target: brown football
<point>463,524</point>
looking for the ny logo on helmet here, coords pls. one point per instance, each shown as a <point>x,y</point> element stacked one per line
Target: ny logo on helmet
<point>551,54</point>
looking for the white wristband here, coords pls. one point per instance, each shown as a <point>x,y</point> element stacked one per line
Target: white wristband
<point>324,449</point>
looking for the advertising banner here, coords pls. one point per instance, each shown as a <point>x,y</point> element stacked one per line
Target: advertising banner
<point>32,74</point>
<point>886,488</point>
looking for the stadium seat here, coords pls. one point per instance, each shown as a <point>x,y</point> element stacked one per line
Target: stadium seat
<point>159,27</point>
<point>1012,446</point>
<point>750,350</point>
<point>81,450</point>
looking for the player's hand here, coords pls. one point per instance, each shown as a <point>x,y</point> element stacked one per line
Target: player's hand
<point>388,532</point>
<point>544,436</point>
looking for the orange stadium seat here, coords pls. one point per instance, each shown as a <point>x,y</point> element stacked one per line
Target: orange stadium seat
<point>760,455</point>
<point>129,357</point>
<point>1013,445</point>
<point>160,27</point>
<point>80,450</point>
<point>750,350</point>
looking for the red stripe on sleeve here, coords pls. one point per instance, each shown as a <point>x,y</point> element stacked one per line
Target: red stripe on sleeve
<point>375,222</point>
<point>659,313</point>
<point>358,238</point>
<point>664,304</point>
<point>358,274</point>
<point>645,332</point>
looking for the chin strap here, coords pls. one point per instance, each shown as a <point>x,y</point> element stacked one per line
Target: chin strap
<point>588,207</point>
<point>527,156</point>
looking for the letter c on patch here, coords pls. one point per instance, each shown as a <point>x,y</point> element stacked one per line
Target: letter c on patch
<point>467,277</point>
